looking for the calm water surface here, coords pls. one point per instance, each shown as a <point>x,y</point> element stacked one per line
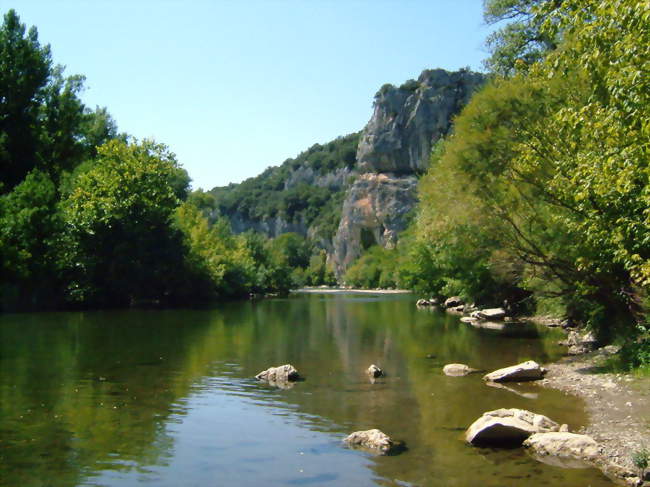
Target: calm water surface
<point>166,398</point>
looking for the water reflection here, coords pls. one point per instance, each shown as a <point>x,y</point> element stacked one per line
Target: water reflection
<point>167,397</point>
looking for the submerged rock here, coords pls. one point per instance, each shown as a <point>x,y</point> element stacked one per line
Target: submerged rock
<point>283,373</point>
<point>507,427</point>
<point>457,370</point>
<point>373,439</point>
<point>469,319</point>
<point>524,371</point>
<point>374,371</point>
<point>564,444</point>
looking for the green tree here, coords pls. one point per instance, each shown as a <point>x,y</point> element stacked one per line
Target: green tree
<point>26,68</point>
<point>32,245</point>
<point>119,216</point>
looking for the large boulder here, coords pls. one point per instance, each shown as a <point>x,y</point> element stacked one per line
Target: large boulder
<point>507,427</point>
<point>563,444</point>
<point>283,373</point>
<point>373,439</point>
<point>457,370</point>
<point>525,371</point>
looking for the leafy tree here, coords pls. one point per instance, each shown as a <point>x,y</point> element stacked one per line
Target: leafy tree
<point>26,68</point>
<point>523,40</point>
<point>119,216</point>
<point>32,256</point>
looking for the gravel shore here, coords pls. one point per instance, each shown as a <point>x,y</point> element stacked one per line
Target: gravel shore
<point>618,406</point>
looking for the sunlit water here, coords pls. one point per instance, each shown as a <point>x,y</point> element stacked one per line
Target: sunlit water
<point>167,398</point>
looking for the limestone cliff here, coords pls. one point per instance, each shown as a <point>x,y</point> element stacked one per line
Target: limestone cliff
<point>393,149</point>
<point>357,190</point>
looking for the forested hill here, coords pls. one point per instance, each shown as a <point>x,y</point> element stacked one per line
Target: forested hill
<point>355,191</point>
<point>302,195</point>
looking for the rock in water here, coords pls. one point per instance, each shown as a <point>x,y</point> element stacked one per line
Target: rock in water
<point>374,371</point>
<point>453,302</point>
<point>373,439</point>
<point>525,371</point>
<point>283,373</point>
<point>507,427</point>
<point>457,370</point>
<point>562,444</point>
<point>490,314</point>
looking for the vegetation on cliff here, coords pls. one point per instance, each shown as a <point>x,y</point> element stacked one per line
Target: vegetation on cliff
<point>306,190</point>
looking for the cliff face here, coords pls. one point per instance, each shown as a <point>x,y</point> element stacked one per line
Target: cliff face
<point>357,190</point>
<point>393,149</point>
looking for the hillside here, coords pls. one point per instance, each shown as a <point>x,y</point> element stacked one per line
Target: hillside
<point>357,190</point>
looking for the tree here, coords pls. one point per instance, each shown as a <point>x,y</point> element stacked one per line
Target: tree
<point>32,245</point>
<point>26,69</point>
<point>522,41</point>
<point>119,216</point>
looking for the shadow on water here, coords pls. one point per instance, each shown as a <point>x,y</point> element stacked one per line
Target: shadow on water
<point>168,397</point>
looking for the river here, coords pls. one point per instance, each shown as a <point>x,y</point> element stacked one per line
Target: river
<point>168,398</point>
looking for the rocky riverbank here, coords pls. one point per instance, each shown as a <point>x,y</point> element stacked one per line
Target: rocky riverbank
<point>618,406</point>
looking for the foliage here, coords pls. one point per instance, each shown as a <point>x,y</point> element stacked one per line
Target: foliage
<point>522,41</point>
<point>641,460</point>
<point>543,186</point>
<point>118,215</point>
<point>31,243</point>
<point>287,191</point>
<point>43,123</point>
<point>376,268</point>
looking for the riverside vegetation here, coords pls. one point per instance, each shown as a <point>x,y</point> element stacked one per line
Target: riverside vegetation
<point>537,195</point>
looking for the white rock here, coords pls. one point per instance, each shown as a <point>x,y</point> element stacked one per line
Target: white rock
<point>456,370</point>
<point>374,371</point>
<point>525,371</point>
<point>491,314</point>
<point>563,444</point>
<point>283,373</point>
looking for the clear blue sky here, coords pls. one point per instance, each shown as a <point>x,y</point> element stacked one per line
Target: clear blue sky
<point>233,87</point>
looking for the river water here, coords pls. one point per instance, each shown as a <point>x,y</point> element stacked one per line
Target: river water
<point>167,398</point>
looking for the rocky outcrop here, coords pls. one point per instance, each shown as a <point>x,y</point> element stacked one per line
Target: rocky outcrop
<point>524,371</point>
<point>407,121</point>
<point>508,427</point>
<point>374,173</point>
<point>393,150</point>
<point>373,439</point>
<point>374,213</point>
